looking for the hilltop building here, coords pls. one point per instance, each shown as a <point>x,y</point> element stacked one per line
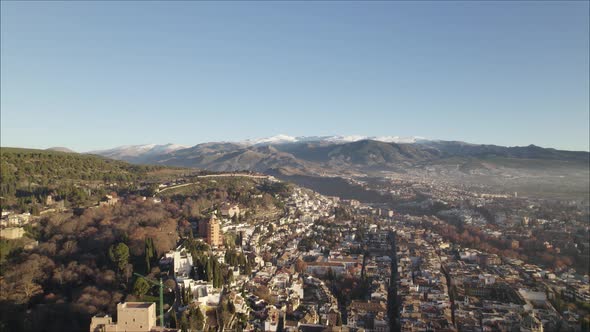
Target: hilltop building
<point>132,317</point>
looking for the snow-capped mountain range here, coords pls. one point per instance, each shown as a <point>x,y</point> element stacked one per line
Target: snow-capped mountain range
<point>283,139</point>
<point>127,151</point>
<point>316,155</point>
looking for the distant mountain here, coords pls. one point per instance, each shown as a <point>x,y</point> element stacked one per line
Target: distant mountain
<point>138,153</point>
<point>386,139</point>
<point>314,159</point>
<point>61,149</point>
<point>279,139</point>
<point>228,157</point>
<point>462,149</point>
<point>346,155</point>
<point>285,139</point>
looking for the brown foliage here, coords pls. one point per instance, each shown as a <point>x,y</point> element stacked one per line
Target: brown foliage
<point>93,300</point>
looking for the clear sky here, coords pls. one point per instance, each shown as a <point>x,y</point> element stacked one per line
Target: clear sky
<point>92,75</point>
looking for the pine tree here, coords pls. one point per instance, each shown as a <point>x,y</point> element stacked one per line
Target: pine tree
<point>141,287</point>
<point>119,254</point>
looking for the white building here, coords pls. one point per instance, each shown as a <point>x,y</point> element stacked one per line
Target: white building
<point>182,262</point>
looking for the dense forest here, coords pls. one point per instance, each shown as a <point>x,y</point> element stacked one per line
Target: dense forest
<point>28,176</point>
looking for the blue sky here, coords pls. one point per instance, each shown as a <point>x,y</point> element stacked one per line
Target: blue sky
<point>91,75</point>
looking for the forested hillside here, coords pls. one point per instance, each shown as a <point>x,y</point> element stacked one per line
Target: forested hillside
<point>28,176</point>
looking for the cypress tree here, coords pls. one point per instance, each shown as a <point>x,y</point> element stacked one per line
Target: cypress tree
<point>209,269</point>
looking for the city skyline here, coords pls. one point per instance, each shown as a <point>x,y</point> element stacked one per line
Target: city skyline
<point>96,75</point>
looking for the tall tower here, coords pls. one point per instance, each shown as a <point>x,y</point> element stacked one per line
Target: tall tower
<point>213,232</point>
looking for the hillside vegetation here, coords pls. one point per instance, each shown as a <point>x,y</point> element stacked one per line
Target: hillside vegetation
<point>28,176</point>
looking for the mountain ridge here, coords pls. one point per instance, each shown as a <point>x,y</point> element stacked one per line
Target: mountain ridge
<point>319,155</point>
<point>342,154</point>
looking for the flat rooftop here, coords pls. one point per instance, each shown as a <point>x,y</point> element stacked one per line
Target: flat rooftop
<point>138,305</point>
